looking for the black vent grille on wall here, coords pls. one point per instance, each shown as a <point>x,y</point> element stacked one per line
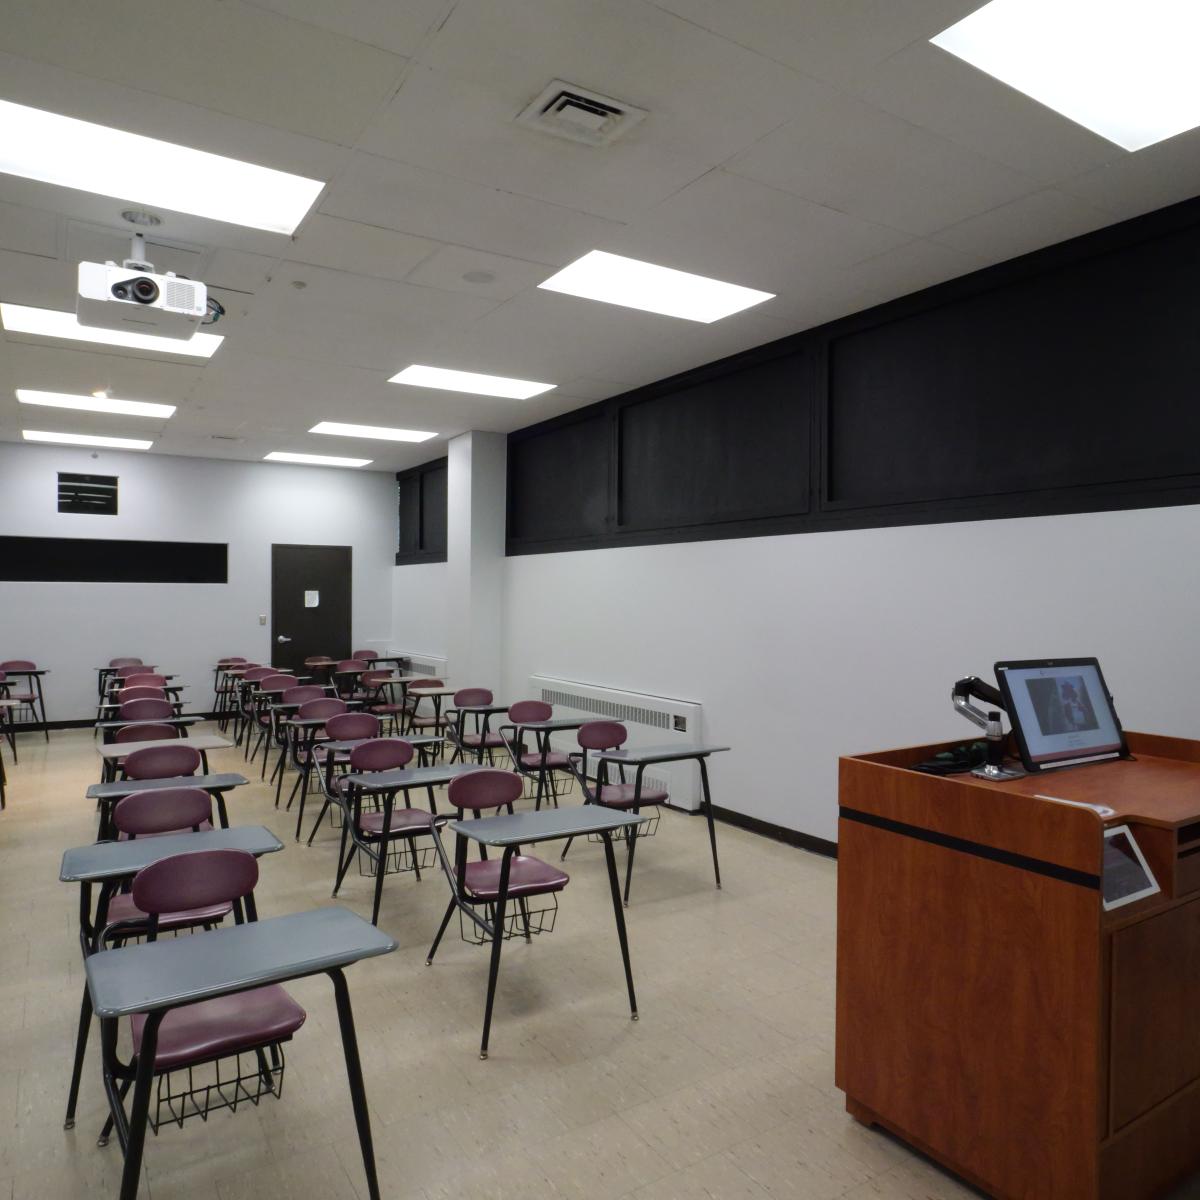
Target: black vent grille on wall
<point>95,494</point>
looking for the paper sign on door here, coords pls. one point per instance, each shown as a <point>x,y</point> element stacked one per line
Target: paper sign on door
<point>312,599</point>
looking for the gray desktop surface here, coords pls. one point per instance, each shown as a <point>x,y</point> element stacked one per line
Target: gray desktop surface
<point>543,826</point>
<point>650,754</point>
<point>126,787</point>
<point>176,971</point>
<point>113,860</point>
<point>380,781</point>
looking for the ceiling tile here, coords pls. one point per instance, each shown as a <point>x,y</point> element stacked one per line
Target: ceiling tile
<point>399,28</point>
<point>448,267</point>
<point>212,55</point>
<point>1026,224</point>
<point>916,265</point>
<point>29,230</point>
<point>849,156</point>
<point>431,205</point>
<point>327,241</point>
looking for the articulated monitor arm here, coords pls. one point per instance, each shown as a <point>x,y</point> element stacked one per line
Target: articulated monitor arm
<point>972,687</point>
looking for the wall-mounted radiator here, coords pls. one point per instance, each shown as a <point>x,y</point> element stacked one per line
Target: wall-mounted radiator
<point>432,666</point>
<point>651,721</point>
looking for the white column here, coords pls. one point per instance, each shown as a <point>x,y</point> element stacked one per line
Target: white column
<point>475,513</point>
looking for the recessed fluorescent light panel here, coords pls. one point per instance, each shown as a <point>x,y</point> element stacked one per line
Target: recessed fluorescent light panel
<point>127,166</point>
<point>468,381</point>
<point>85,439</point>
<point>378,432</point>
<point>49,322</point>
<point>635,284</point>
<point>315,460</point>
<point>106,404</point>
<point>1126,71</point>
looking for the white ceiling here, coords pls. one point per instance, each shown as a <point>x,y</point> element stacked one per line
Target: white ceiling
<point>819,149</point>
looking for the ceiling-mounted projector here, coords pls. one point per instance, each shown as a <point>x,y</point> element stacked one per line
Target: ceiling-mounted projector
<point>133,298</point>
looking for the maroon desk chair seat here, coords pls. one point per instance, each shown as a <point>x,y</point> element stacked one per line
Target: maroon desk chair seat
<point>622,795</point>
<point>527,876</point>
<point>217,1028</point>
<point>553,760</point>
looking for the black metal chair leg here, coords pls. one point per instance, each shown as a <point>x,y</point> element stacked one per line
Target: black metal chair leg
<point>358,1092</point>
<point>619,911</point>
<point>81,1041</point>
<point>344,857</point>
<point>631,838</point>
<point>131,1176</point>
<point>563,856</point>
<point>497,942</point>
<point>712,830</point>
<point>317,822</point>
<point>437,941</point>
<point>523,904</point>
<point>380,871</point>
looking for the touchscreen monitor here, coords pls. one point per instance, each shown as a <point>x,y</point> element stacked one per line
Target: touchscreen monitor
<point>1060,711</point>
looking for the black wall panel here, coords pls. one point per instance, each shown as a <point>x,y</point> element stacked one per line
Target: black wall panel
<point>110,560</point>
<point>719,450</point>
<point>421,497</point>
<point>558,485</point>
<point>1061,381</point>
<point>1081,376</point>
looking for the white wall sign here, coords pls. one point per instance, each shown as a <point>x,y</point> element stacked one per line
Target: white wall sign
<point>312,599</point>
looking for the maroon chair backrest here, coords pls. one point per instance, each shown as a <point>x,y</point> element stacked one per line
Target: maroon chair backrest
<point>254,674</point>
<point>124,662</point>
<point>602,735</point>
<point>196,880</point>
<point>485,789</point>
<point>140,692</point>
<point>132,669</point>
<point>232,661</point>
<point>425,683</point>
<point>145,679</point>
<point>466,697</point>
<point>525,711</point>
<point>317,660</point>
<point>18,664</point>
<point>148,733</point>
<point>381,754</point>
<point>302,694</point>
<point>326,706</point>
<point>277,682</point>
<point>351,664</point>
<point>146,813</point>
<point>374,678</point>
<point>348,727</point>
<point>146,710</point>
<point>163,762</point>
<point>365,655</point>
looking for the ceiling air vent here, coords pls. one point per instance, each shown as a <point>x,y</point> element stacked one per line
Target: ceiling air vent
<point>568,111</point>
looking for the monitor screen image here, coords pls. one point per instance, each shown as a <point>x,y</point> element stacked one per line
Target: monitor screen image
<point>1062,710</point>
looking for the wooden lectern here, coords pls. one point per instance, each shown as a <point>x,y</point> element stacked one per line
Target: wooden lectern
<point>989,1011</point>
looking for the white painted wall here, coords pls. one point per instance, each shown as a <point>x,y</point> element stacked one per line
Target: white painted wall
<point>806,647</point>
<point>73,627</point>
<point>419,616</point>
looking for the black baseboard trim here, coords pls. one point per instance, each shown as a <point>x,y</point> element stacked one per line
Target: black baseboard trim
<point>777,833</point>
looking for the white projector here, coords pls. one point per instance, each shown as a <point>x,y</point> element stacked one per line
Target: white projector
<point>138,301</point>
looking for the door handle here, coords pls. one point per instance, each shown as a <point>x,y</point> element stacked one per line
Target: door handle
<point>281,639</point>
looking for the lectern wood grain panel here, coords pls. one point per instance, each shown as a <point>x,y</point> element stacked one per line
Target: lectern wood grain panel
<point>989,1010</point>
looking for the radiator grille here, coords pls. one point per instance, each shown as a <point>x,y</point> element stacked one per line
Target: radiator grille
<point>625,713</point>
<point>417,666</point>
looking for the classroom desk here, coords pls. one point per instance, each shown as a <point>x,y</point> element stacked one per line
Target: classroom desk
<point>433,693</point>
<point>541,731</point>
<point>111,752</point>
<point>38,704</point>
<point>158,976</point>
<point>107,794</point>
<point>109,728</point>
<point>461,712</point>
<point>108,864</point>
<point>647,756</point>
<point>509,834</point>
<point>386,784</point>
<point>104,674</point>
<point>7,728</point>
